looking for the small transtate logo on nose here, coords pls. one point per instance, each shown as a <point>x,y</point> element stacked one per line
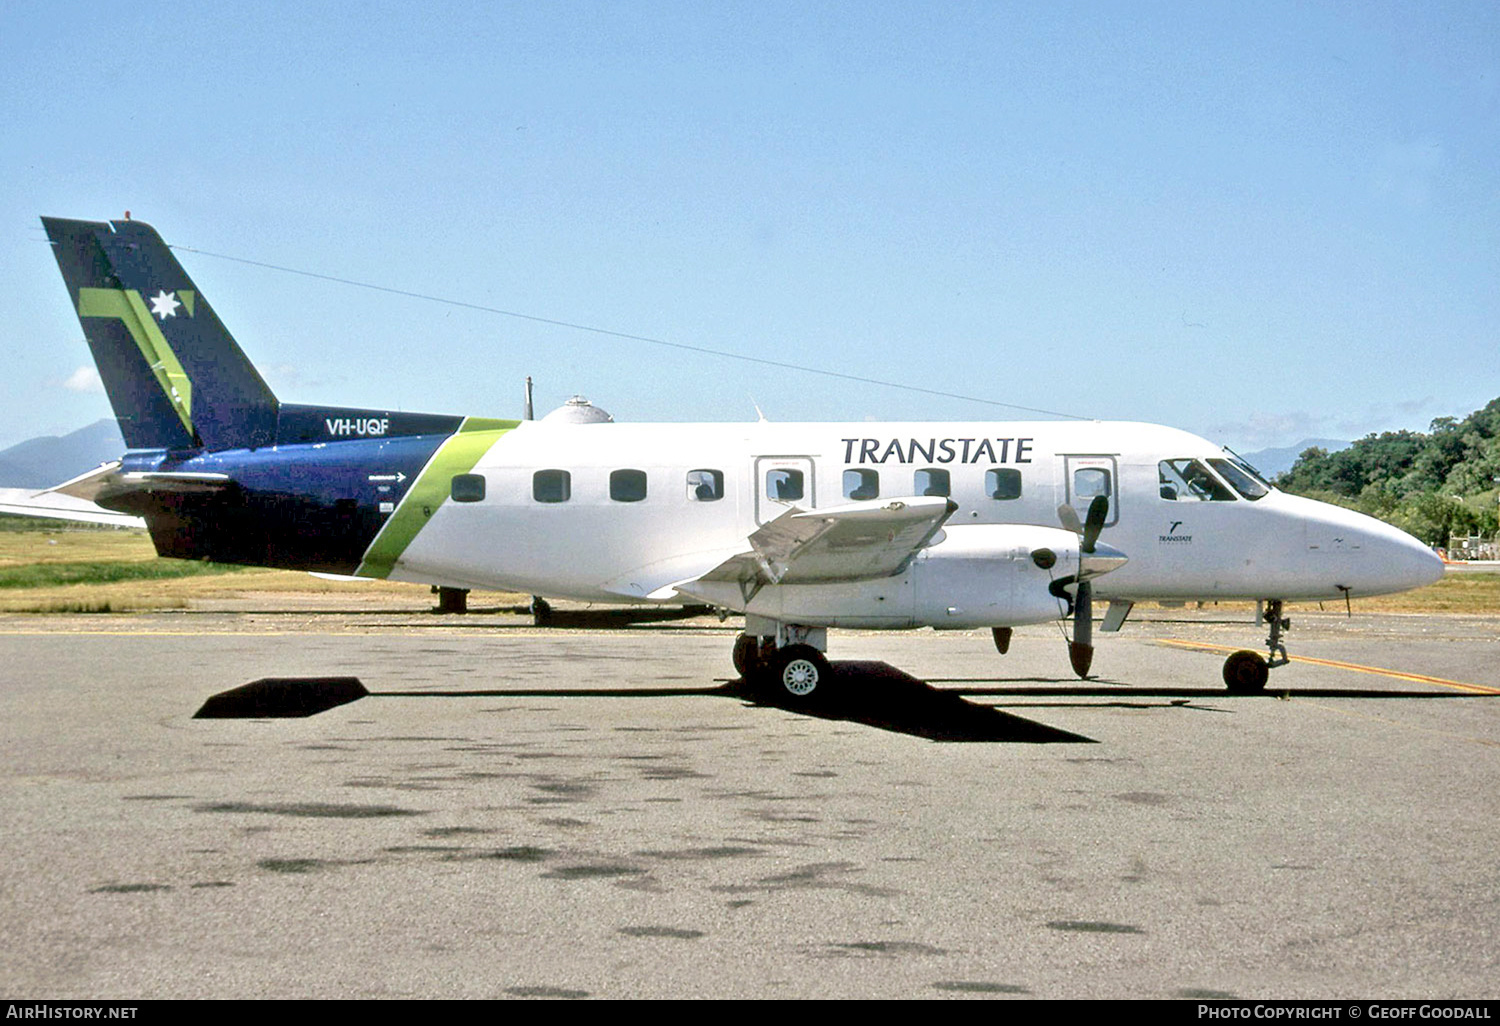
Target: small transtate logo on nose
<point>1173,538</point>
<point>164,304</point>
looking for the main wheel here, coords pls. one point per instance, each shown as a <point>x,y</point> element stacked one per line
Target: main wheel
<point>800,671</point>
<point>1246,672</point>
<point>747,655</point>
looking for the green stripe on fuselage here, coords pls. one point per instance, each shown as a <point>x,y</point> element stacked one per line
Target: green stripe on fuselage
<point>127,306</point>
<point>455,456</point>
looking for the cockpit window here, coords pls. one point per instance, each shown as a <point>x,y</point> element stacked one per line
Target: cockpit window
<point>1242,478</point>
<point>1187,480</point>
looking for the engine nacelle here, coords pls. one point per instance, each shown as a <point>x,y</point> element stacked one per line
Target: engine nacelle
<point>979,575</point>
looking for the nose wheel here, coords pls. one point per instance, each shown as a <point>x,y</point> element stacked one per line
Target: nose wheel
<point>1246,672</point>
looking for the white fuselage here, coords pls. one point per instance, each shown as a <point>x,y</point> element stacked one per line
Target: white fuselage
<point>596,547</point>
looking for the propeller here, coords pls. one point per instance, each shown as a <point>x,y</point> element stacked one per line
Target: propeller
<point>1081,648</point>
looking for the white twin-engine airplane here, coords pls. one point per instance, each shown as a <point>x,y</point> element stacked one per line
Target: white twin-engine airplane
<point>800,527</point>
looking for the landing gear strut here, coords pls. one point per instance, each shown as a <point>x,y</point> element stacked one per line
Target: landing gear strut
<point>1246,672</point>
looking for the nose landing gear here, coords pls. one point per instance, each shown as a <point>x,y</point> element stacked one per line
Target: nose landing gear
<point>1246,672</point>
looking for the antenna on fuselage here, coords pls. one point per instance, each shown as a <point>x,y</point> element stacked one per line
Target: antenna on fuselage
<point>528,411</point>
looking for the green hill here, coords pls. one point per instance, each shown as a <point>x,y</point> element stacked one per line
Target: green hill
<point>1436,486</point>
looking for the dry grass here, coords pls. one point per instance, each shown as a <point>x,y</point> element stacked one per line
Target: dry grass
<point>212,586</point>
<point>1470,592</point>
<point>263,589</point>
<point>74,545</point>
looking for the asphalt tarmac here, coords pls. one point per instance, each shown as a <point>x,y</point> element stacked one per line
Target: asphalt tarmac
<point>598,811</point>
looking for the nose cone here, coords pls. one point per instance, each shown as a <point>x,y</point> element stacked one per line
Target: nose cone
<point>1373,557</point>
<point>1412,564</point>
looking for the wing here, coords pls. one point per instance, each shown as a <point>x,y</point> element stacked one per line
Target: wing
<point>857,542</point>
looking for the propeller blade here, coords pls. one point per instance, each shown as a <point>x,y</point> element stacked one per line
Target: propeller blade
<point>1069,517</point>
<point>1081,649</point>
<point>1094,522</point>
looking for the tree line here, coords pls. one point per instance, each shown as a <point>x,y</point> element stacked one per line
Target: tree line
<point>1437,486</point>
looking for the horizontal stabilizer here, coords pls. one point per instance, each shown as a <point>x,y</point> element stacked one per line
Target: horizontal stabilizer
<point>54,505</point>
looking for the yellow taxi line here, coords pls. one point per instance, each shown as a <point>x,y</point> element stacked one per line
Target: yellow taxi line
<point>1421,678</point>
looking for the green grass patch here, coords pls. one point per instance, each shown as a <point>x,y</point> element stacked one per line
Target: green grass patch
<point>10,523</point>
<point>52,575</point>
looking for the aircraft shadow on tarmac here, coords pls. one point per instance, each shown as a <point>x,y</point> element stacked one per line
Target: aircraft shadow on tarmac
<point>873,693</point>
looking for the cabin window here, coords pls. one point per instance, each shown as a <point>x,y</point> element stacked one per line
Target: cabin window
<point>784,485</point>
<point>551,486</point>
<point>932,481</point>
<point>1186,480</point>
<point>627,485</point>
<point>1003,483</point>
<point>467,488</point>
<point>705,485</point>
<point>860,485</point>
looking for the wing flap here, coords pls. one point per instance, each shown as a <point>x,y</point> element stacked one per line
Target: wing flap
<point>856,542</point>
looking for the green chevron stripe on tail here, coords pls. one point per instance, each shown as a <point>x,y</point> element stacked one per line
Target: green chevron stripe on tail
<point>455,456</point>
<point>127,306</point>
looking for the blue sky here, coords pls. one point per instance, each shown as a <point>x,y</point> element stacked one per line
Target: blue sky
<point>1259,222</point>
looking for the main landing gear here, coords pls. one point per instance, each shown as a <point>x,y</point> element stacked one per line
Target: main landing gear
<point>790,663</point>
<point>1246,672</point>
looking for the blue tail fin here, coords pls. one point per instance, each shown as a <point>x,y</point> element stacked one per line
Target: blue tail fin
<point>174,375</point>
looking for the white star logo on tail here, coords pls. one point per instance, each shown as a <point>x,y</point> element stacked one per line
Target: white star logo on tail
<point>164,304</point>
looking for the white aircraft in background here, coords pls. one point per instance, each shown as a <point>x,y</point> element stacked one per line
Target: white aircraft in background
<point>799,527</point>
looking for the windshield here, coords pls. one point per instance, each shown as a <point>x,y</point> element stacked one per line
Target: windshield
<point>1187,480</point>
<point>1242,477</point>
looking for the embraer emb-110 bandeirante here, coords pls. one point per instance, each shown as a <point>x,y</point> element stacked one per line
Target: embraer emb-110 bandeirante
<point>799,527</point>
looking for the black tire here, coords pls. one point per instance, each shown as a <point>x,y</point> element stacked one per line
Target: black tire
<point>1246,673</point>
<point>747,655</point>
<point>800,673</point>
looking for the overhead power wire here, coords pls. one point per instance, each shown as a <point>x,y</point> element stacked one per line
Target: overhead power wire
<point>681,346</point>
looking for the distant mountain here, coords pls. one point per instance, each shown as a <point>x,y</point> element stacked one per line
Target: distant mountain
<point>50,460</point>
<point>1272,462</point>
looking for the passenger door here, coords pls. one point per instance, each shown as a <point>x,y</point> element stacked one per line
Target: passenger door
<point>1088,476</point>
<point>780,483</point>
